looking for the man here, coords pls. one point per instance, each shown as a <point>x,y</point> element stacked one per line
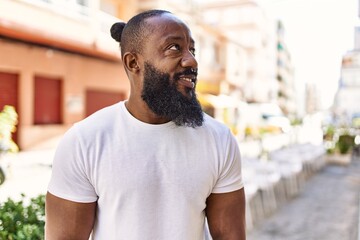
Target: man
<point>154,166</point>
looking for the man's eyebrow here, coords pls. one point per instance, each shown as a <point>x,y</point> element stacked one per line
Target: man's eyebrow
<point>177,38</point>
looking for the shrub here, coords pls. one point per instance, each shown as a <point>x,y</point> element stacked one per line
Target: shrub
<point>339,140</point>
<point>22,221</point>
<point>8,121</point>
<point>345,143</point>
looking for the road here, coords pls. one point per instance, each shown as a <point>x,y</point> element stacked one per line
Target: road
<point>326,209</point>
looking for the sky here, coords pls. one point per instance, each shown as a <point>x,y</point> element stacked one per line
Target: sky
<point>318,33</point>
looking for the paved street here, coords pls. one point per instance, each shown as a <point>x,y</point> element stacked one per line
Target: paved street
<point>326,209</point>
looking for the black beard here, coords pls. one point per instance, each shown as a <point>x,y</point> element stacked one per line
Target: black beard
<point>163,98</point>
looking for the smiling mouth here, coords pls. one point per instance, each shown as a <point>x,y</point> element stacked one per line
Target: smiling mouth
<point>188,82</point>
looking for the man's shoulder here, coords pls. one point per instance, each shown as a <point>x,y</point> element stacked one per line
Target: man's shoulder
<point>98,123</point>
<point>212,122</point>
<point>102,117</point>
<point>215,125</point>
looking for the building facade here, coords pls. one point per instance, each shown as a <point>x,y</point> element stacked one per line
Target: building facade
<point>346,103</point>
<point>58,64</point>
<point>246,24</point>
<point>286,97</point>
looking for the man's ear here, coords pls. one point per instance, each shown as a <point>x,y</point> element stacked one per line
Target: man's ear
<point>130,62</point>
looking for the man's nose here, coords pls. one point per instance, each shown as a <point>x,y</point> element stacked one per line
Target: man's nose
<point>189,60</point>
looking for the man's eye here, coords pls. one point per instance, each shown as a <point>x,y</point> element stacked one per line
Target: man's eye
<point>192,50</point>
<point>175,47</point>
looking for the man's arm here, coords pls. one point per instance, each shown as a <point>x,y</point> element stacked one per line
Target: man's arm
<point>68,220</point>
<point>226,215</point>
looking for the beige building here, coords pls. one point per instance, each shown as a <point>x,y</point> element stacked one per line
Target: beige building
<point>58,64</point>
<point>245,23</point>
<point>286,96</point>
<point>347,98</point>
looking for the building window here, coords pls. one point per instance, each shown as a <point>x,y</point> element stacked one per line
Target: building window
<point>9,93</point>
<point>97,99</point>
<point>47,100</point>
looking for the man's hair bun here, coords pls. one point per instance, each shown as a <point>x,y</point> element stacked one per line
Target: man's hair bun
<point>116,30</point>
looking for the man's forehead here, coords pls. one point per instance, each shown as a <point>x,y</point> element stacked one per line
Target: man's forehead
<point>164,19</point>
<point>166,24</point>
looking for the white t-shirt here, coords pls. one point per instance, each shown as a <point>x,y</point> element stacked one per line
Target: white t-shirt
<point>150,181</point>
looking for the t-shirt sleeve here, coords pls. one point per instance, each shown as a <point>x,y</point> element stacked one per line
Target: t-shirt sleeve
<point>70,176</point>
<point>230,178</point>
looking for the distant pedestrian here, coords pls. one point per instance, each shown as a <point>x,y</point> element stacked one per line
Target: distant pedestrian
<point>154,166</point>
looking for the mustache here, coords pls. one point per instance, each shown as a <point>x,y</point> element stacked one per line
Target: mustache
<point>187,71</point>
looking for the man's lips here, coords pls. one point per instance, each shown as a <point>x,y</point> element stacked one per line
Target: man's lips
<point>187,81</point>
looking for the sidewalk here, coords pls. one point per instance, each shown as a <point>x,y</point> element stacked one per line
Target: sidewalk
<point>327,208</point>
<point>29,173</point>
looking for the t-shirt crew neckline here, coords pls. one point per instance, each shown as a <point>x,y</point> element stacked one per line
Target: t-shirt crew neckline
<point>136,121</point>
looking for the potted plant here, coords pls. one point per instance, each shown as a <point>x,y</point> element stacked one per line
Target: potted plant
<point>345,143</point>
<point>342,143</point>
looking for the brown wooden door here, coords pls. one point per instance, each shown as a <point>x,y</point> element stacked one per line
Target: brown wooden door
<point>48,99</point>
<point>9,93</point>
<point>96,99</point>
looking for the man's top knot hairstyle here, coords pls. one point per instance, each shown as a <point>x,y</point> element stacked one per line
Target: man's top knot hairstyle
<point>116,30</point>
<point>131,34</point>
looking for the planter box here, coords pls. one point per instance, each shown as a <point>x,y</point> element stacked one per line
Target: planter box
<point>338,159</point>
